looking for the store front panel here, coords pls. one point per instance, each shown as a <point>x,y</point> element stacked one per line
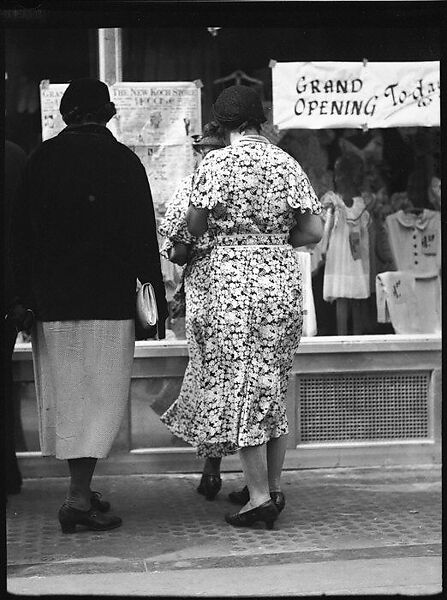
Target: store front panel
<point>352,401</point>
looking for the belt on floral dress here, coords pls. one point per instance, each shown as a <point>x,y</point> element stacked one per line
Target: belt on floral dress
<point>254,240</point>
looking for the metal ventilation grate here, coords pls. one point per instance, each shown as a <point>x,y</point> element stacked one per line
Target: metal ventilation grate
<point>358,407</point>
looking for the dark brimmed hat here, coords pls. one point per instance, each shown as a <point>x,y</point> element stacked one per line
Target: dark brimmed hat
<point>237,104</point>
<point>211,136</point>
<point>82,96</point>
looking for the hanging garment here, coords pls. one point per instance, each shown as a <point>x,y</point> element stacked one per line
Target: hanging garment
<point>415,241</point>
<point>309,315</point>
<point>380,255</point>
<point>346,272</point>
<point>410,304</point>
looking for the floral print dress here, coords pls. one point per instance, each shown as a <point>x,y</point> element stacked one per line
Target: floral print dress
<point>253,319</point>
<point>194,288</point>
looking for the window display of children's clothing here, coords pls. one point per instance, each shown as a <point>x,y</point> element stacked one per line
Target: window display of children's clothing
<point>415,241</point>
<point>380,261</point>
<point>347,267</point>
<point>380,255</point>
<point>309,315</point>
<point>411,304</point>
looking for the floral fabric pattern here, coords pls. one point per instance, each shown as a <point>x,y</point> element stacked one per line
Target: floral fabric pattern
<point>193,293</point>
<point>252,187</point>
<point>249,325</point>
<point>173,226</point>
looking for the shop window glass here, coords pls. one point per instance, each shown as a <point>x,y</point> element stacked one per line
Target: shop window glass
<point>150,398</point>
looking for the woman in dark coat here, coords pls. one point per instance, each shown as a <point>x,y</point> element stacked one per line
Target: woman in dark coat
<point>83,231</point>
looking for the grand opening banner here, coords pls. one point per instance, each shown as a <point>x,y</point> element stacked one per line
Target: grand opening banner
<point>154,119</point>
<point>319,95</point>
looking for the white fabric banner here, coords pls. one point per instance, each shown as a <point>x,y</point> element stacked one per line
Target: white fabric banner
<point>155,119</point>
<point>319,95</point>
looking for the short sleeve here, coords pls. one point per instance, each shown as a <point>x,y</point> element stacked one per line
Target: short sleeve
<point>173,226</point>
<point>211,182</point>
<point>300,194</point>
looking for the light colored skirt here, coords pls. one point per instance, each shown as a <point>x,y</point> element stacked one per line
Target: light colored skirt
<point>82,372</point>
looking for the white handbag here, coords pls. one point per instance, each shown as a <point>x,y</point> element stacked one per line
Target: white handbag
<point>146,308</point>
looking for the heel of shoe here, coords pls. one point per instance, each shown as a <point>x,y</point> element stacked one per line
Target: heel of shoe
<point>279,500</point>
<point>67,527</point>
<point>210,486</point>
<point>270,515</point>
<point>69,518</point>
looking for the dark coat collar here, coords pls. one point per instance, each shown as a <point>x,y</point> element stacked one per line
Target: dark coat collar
<point>87,129</point>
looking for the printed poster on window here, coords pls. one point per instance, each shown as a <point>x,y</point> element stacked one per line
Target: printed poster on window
<point>50,99</point>
<point>152,114</point>
<point>166,166</point>
<point>318,95</point>
<point>154,119</point>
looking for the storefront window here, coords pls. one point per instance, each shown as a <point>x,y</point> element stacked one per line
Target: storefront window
<point>401,165</point>
<point>401,174</point>
<point>401,168</point>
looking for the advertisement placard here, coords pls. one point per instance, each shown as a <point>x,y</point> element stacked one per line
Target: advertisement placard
<point>320,95</point>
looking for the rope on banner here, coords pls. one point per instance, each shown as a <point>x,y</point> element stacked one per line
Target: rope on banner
<point>198,83</point>
<point>272,63</point>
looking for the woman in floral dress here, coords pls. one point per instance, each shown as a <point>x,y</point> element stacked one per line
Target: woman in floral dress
<point>258,203</point>
<point>182,248</point>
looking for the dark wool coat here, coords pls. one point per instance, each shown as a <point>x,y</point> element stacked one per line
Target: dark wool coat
<point>15,160</point>
<point>83,229</point>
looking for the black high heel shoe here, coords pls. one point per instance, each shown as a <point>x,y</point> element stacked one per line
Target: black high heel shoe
<point>266,512</point>
<point>279,499</point>
<point>70,517</point>
<point>98,504</point>
<point>243,496</point>
<point>209,485</point>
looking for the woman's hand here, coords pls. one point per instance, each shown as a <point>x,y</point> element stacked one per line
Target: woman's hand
<point>178,254</point>
<point>197,220</point>
<point>308,230</point>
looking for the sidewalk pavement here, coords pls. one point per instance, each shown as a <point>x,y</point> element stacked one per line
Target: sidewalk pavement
<point>343,531</point>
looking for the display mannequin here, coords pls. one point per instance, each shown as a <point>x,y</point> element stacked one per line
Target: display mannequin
<point>346,276</point>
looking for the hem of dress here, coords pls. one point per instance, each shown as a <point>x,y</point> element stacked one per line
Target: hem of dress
<point>198,444</point>
<point>45,318</point>
<point>271,437</point>
<point>74,455</point>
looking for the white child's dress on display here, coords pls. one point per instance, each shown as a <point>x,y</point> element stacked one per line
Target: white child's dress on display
<point>346,273</point>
